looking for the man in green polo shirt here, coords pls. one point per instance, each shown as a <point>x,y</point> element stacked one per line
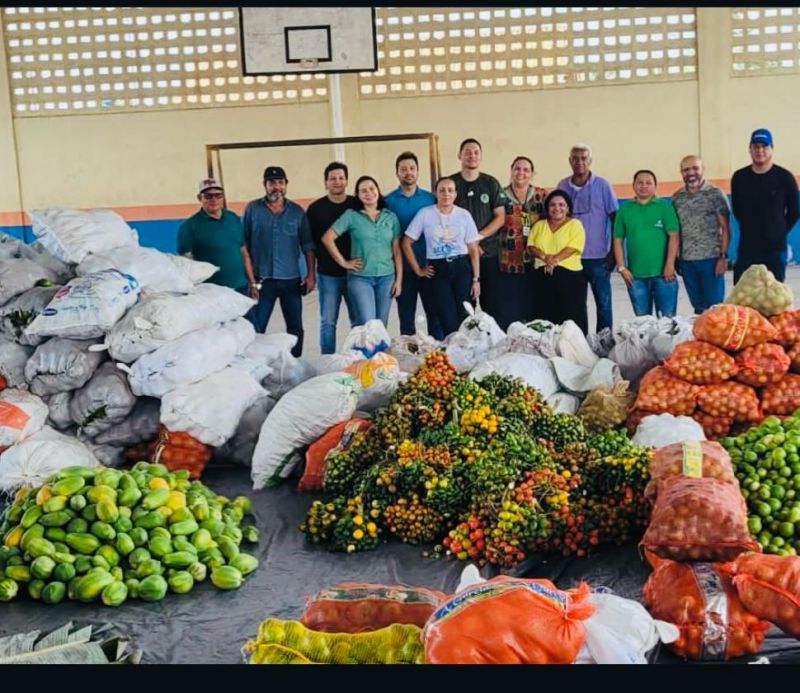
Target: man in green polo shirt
<point>649,227</point>
<point>215,234</point>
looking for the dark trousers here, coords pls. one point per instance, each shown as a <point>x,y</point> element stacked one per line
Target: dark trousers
<point>775,260</point>
<point>287,291</point>
<point>490,280</point>
<point>414,286</point>
<point>514,294</point>
<point>561,296</point>
<point>450,286</point>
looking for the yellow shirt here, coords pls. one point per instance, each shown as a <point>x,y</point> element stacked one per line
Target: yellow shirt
<point>568,235</point>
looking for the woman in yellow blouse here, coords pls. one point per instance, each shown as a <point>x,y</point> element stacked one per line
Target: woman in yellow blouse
<point>555,244</point>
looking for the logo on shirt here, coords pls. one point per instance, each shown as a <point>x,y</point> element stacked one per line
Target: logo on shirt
<point>659,224</point>
<point>485,198</point>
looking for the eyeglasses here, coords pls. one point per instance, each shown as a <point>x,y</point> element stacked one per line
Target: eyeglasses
<point>213,196</point>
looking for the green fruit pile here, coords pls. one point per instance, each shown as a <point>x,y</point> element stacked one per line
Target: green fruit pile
<point>93,533</point>
<point>766,459</point>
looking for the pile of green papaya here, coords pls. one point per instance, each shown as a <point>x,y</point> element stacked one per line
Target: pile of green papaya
<point>95,533</point>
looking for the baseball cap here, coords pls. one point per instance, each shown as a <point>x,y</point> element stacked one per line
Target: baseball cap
<point>208,184</point>
<point>274,173</point>
<point>761,136</point>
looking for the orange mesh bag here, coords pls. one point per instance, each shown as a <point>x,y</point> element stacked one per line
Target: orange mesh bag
<point>693,458</point>
<point>700,599</point>
<point>788,326</point>
<point>3,383</point>
<point>762,364</point>
<point>337,437</point>
<point>700,363</point>
<point>714,427</point>
<point>175,450</point>
<point>354,607</point>
<point>635,417</point>
<point>733,327</point>
<point>794,357</point>
<point>730,400</point>
<point>662,393</point>
<point>509,621</point>
<point>783,397</point>
<point>769,586</point>
<point>698,520</point>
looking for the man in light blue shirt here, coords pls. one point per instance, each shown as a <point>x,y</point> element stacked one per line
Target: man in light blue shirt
<point>276,232</point>
<point>405,201</point>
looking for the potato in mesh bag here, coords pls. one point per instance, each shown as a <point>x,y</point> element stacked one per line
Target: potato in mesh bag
<point>714,427</point>
<point>733,327</point>
<point>762,364</point>
<point>606,406</point>
<point>783,397</point>
<point>700,363</point>
<point>661,392</point>
<point>788,325</point>
<point>732,400</point>
<point>769,586</point>
<point>758,288</point>
<point>693,458</point>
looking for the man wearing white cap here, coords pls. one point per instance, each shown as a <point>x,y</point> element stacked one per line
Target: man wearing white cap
<point>215,234</point>
<point>764,200</point>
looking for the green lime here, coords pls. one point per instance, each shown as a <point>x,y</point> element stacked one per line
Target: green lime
<point>762,508</point>
<point>778,492</point>
<point>786,529</point>
<point>775,504</point>
<point>754,525</point>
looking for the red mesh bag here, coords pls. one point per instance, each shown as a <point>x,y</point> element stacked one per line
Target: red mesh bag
<point>509,621</point>
<point>733,327</point>
<point>175,450</point>
<point>730,400</point>
<point>714,427</point>
<point>662,393</point>
<point>694,458</point>
<point>794,357</point>
<point>762,364</point>
<point>354,607</point>
<point>337,437</point>
<point>788,326</point>
<point>769,586</point>
<point>700,599</point>
<point>700,363</point>
<point>698,520</point>
<point>635,417</point>
<point>783,397</point>
<point>3,383</point>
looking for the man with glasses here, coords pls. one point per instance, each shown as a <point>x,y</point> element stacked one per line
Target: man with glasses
<point>214,234</point>
<point>595,205</point>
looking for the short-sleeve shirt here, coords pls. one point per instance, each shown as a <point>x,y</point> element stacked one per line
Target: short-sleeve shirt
<point>698,213</point>
<point>370,240</point>
<point>480,197</point>
<point>645,229</point>
<point>321,214</point>
<point>512,238</point>
<point>569,235</point>
<point>218,241</point>
<point>445,235</point>
<point>592,203</point>
<point>275,241</point>
<point>406,208</point>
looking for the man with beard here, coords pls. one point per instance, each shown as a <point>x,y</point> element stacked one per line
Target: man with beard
<point>276,231</point>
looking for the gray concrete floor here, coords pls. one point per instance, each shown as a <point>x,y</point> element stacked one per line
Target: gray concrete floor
<point>621,303</point>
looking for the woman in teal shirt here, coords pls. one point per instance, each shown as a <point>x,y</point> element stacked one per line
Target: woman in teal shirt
<point>375,270</point>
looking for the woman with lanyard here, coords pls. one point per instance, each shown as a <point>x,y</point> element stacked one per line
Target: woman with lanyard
<point>524,207</point>
<point>556,243</point>
<point>375,270</point>
<point>452,254</point>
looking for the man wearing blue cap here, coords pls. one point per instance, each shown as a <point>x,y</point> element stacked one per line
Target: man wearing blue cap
<point>764,200</point>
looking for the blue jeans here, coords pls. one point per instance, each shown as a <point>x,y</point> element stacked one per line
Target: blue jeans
<point>648,290</point>
<point>370,297</point>
<point>287,291</point>
<point>599,277</point>
<point>704,287</point>
<point>331,292</point>
<point>414,286</point>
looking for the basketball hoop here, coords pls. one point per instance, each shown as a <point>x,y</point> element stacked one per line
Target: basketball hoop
<point>309,63</point>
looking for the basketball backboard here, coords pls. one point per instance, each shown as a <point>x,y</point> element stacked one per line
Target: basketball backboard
<point>282,40</point>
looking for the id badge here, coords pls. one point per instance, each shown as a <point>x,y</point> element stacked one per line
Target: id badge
<point>526,230</point>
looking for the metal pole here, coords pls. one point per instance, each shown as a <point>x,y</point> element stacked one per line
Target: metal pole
<point>335,90</point>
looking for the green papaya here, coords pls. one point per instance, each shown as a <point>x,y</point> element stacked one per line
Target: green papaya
<point>155,499</point>
<point>64,572</point>
<point>83,543</point>
<point>68,486</point>
<point>244,563</point>
<point>153,588</point>
<point>114,594</point>
<point>8,589</point>
<point>179,559</point>
<point>226,578</point>
<point>181,582</point>
<point>55,503</point>
<point>54,592</point>
<point>42,567</point>
<point>91,585</point>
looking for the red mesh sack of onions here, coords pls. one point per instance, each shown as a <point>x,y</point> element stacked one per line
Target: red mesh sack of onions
<point>788,326</point>
<point>762,364</point>
<point>700,363</point>
<point>782,398</point>
<point>662,393</point>
<point>733,327</point>
<point>794,357</point>
<point>731,400</point>
<point>714,427</point>
<point>693,458</point>
<point>698,520</point>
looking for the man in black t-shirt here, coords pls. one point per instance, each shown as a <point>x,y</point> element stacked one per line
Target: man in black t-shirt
<point>482,196</point>
<point>765,203</point>
<point>331,278</point>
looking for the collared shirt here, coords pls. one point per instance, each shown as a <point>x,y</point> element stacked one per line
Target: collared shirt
<point>275,241</point>
<point>645,228</point>
<point>218,241</point>
<point>406,208</point>
<point>698,213</point>
<point>592,202</point>
<point>445,235</point>
<point>370,240</point>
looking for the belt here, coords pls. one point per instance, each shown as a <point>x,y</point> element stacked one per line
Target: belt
<point>454,258</point>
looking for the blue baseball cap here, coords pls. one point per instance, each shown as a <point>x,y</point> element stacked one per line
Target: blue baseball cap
<point>761,136</point>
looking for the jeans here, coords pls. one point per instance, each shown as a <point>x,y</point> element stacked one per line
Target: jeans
<point>451,285</point>
<point>599,277</point>
<point>775,260</point>
<point>287,291</point>
<point>648,290</point>
<point>704,287</point>
<point>370,297</point>
<point>407,305</point>
<point>331,291</point>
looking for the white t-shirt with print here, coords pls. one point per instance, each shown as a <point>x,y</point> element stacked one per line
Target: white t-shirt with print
<point>446,235</point>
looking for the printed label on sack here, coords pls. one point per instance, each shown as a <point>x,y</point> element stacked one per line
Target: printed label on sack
<point>739,329</point>
<point>692,459</point>
<point>715,627</point>
<point>395,594</point>
<point>11,416</point>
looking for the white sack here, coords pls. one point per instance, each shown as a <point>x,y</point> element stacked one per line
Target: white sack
<point>579,380</point>
<point>334,363</point>
<point>563,403</point>
<point>378,378</point>
<point>671,332</point>
<point>474,339</point>
<point>140,426</point>
<point>20,274</point>
<point>60,365</point>
<point>664,429</point>
<point>533,370</point>
<point>150,267</point>
<point>22,310</point>
<point>21,415</point>
<point>572,345</point>
<point>410,350</point>
<point>105,400</point>
<point>107,455</point>
<point>601,342</point>
<point>369,339</point>
<point>196,271</point>
<point>13,358</point>
<point>239,449</point>
<point>58,405</point>
<point>11,247</point>
<point>538,337</point>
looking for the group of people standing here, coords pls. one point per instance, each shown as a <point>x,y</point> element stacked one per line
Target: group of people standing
<point>523,252</point>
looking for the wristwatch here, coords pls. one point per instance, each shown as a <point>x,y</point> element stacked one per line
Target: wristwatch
<point>622,269</point>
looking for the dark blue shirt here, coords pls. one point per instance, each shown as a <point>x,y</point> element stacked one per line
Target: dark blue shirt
<point>406,208</point>
<point>275,241</point>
